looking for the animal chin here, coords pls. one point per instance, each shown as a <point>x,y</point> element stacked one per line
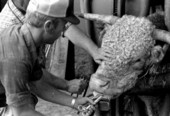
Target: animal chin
<point>123,82</point>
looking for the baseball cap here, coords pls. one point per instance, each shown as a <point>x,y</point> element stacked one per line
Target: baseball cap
<point>55,8</point>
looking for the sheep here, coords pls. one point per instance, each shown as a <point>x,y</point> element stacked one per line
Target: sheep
<point>131,41</point>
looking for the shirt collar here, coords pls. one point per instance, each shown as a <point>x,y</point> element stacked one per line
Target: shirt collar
<point>29,41</point>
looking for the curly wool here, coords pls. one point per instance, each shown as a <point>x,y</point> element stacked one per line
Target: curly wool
<point>128,39</point>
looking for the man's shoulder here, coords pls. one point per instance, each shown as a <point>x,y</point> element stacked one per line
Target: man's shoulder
<point>10,32</point>
<point>13,44</point>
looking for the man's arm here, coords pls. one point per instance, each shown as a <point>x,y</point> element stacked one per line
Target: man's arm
<point>72,86</point>
<point>47,91</point>
<point>54,81</point>
<point>79,38</point>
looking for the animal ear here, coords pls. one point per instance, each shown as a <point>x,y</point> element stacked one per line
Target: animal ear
<point>161,35</point>
<point>157,54</point>
<point>49,27</point>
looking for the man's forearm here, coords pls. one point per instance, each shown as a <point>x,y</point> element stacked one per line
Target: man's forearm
<point>54,81</point>
<point>50,93</point>
<point>76,36</point>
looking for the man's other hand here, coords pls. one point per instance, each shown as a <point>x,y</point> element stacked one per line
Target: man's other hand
<point>101,55</point>
<point>76,86</point>
<point>85,102</point>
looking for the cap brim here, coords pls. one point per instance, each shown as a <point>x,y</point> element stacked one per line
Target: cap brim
<point>72,19</point>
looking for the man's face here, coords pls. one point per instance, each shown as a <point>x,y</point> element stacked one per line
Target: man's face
<point>56,32</point>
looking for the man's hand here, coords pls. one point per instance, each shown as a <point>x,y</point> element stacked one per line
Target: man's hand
<point>101,55</point>
<point>85,102</point>
<point>76,86</point>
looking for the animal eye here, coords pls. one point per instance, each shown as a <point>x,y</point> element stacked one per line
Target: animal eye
<point>138,64</point>
<point>135,61</point>
<point>138,60</point>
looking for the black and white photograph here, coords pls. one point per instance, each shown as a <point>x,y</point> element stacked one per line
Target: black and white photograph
<point>84,58</point>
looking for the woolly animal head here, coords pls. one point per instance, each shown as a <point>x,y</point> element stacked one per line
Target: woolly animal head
<point>131,42</point>
<point>128,40</point>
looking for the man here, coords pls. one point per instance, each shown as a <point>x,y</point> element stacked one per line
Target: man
<point>20,72</point>
<point>14,12</point>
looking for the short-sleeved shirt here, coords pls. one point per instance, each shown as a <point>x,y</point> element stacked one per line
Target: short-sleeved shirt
<point>18,64</point>
<point>11,15</point>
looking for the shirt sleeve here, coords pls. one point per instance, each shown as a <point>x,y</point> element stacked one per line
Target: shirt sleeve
<point>14,75</point>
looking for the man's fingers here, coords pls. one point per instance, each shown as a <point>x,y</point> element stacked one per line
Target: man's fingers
<point>84,83</point>
<point>90,111</point>
<point>99,61</point>
<point>107,54</point>
<point>90,101</point>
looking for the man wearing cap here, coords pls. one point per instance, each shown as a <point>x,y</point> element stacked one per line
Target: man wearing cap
<point>20,74</point>
<point>14,13</point>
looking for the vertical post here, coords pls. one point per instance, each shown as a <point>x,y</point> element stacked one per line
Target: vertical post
<point>70,65</point>
<point>120,7</point>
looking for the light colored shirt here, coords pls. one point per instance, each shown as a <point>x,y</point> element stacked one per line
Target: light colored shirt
<point>19,64</point>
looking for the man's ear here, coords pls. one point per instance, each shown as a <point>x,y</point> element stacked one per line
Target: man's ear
<point>157,54</point>
<point>49,27</point>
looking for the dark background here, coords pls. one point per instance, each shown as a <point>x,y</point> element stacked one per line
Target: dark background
<point>2,4</point>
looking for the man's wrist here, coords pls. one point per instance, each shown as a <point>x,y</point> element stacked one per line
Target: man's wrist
<point>73,101</point>
<point>94,51</point>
